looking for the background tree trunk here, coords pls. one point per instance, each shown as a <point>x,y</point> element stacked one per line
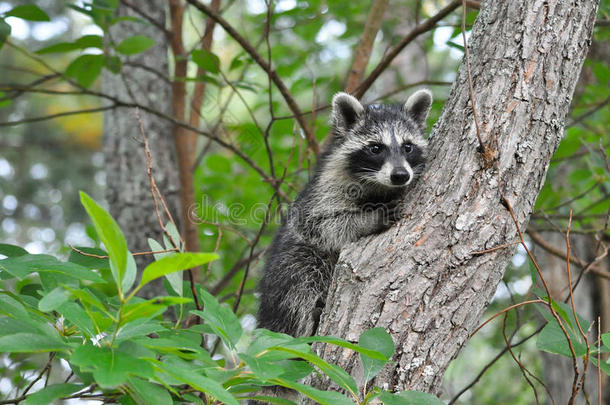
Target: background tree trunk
<point>128,187</point>
<point>422,280</point>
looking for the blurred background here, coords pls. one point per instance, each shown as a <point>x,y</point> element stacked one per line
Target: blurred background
<point>44,162</point>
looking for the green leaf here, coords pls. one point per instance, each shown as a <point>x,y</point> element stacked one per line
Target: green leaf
<point>87,297</point>
<point>53,300</point>
<point>28,12</point>
<point>11,326</point>
<point>90,262</point>
<point>5,101</point>
<point>131,273</point>
<point>174,279</point>
<point>409,398</point>
<point>175,235</point>
<point>247,86</point>
<point>220,319</point>
<point>85,69</point>
<point>190,398</point>
<point>379,340</point>
<point>23,266</point>
<point>49,394</point>
<point>552,339</point>
<point>84,42</point>
<point>605,365</point>
<point>261,367</point>
<point>90,41</point>
<point>58,48</point>
<point>30,343</point>
<point>135,44</point>
<point>323,397</point>
<point>270,400</point>
<point>110,234</point>
<point>12,250</point>
<point>455,45</point>
<point>150,308</point>
<point>174,263</point>
<point>76,315</point>
<point>266,339</point>
<point>113,63</point>
<point>138,328</point>
<point>334,372</point>
<point>11,307</point>
<point>219,163</point>
<point>344,343</point>
<point>206,60</point>
<point>110,367</point>
<point>565,312</point>
<point>606,339</point>
<point>146,393</point>
<point>201,383</point>
<point>5,31</point>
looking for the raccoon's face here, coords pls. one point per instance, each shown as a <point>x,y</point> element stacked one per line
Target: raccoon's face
<point>381,145</point>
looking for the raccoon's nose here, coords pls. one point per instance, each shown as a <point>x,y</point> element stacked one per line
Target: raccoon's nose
<point>399,176</point>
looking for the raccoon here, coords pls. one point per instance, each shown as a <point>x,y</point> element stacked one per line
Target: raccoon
<point>374,154</point>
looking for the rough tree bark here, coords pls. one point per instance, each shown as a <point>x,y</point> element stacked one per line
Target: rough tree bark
<point>422,280</point>
<point>128,187</point>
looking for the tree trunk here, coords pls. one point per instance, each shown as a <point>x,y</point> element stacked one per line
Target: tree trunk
<point>128,186</point>
<point>422,280</point>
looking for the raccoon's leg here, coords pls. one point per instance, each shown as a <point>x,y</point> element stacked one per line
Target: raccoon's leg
<point>293,290</point>
<point>294,284</point>
<point>337,229</point>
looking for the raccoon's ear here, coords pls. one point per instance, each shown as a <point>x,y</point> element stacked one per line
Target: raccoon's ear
<point>418,106</point>
<point>346,110</point>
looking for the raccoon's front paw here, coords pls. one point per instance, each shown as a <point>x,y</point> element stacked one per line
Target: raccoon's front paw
<point>395,211</point>
<point>388,214</point>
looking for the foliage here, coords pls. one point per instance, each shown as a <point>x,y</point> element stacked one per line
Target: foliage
<point>119,346</point>
<point>87,299</point>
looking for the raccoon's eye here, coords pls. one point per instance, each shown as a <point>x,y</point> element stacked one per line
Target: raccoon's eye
<point>408,147</point>
<point>375,148</point>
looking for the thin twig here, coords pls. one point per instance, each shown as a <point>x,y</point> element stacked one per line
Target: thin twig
<point>480,252</point>
<point>247,46</point>
<point>157,197</point>
<point>362,54</point>
<point>599,364</point>
<point>392,53</point>
<point>77,250</point>
<point>550,300</point>
<point>228,276</point>
<point>242,284</point>
<point>582,333</point>
<point>578,197</point>
<point>42,372</point>
<point>539,240</point>
<point>138,10</point>
<point>200,87</point>
<point>589,113</point>
<point>522,368</point>
<point>497,314</point>
<point>57,115</point>
<point>491,363</point>
<point>482,148</point>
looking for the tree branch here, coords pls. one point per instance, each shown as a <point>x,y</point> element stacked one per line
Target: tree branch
<point>245,44</point>
<point>549,247</point>
<point>392,53</point>
<point>362,54</point>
